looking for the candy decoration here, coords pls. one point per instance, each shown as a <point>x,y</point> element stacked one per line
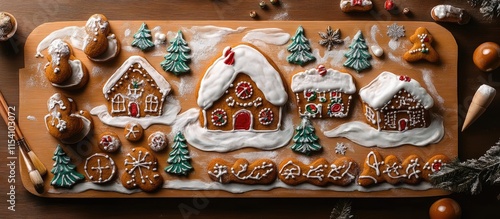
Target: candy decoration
<point>445,208</point>
<point>389,5</point>
<point>487,56</point>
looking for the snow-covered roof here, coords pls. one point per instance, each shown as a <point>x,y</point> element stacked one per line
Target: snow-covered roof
<point>248,60</point>
<point>160,81</point>
<point>383,88</point>
<point>332,80</point>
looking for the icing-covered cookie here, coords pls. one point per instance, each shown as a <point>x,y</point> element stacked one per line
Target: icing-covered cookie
<point>100,168</point>
<point>141,171</point>
<point>109,142</point>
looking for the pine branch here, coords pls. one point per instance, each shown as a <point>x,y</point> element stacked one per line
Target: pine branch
<point>342,210</point>
<point>470,176</point>
<point>489,8</point>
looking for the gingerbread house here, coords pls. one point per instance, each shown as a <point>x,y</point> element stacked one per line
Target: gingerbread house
<point>322,92</point>
<point>396,103</point>
<point>136,89</point>
<point>242,91</point>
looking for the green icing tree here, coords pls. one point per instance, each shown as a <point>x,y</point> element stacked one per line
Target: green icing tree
<point>64,171</point>
<point>300,49</point>
<point>358,55</point>
<point>306,141</point>
<point>179,157</point>
<point>143,39</point>
<point>176,60</point>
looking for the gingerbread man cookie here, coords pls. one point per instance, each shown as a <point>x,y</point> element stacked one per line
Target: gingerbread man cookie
<point>422,48</point>
<point>63,70</point>
<point>100,44</point>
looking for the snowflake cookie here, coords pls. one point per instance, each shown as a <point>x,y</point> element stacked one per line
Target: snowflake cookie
<point>141,170</point>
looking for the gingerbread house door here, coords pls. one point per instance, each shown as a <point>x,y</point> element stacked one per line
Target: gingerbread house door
<point>242,120</point>
<point>403,124</point>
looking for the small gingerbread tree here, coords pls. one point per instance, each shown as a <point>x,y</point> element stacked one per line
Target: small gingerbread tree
<point>64,171</point>
<point>179,157</point>
<point>306,141</point>
<point>358,55</point>
<point>143,39</point>
<point>300,49</point>
<point>176,60</point>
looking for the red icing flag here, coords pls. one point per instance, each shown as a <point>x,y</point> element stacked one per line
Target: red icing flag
<point>229,55</point>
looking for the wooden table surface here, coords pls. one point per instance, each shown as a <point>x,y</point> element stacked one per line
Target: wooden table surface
<point>472,143</point>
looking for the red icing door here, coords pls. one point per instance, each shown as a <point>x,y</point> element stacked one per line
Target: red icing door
<point>403,124</point>
<point>133,109</point>
<point>242,120</point>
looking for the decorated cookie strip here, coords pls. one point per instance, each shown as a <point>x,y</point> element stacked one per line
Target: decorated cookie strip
<point>342,172</point>
<point>262,171</point>
<point>390,169</point>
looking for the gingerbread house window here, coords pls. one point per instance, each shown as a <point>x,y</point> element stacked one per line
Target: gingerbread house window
<point>151,103</point>
<point>370,115</point>
<point>118,104</point>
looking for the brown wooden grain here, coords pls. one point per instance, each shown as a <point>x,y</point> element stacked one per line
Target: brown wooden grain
<point>472,143</point>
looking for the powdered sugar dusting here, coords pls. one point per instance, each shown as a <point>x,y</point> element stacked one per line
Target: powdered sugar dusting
<point>427,76</point>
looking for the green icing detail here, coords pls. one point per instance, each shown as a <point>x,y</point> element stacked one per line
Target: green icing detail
<point>306,141</point>
<point>300,49</point>
<point>64,172</point>
<point>358,56</point>
<point>143,39</point>
<point>178,57</point>
<point>179,158</point>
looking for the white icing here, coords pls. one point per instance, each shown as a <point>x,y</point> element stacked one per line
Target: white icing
<point>273,36</point>
<point>383,88</point>
<point>332,80</point>
<point>220,141</point>
<point>58,49</point>
<point>157,141</point>
<point>198,185</point>
<point>74,34</point>
<point>486,90</point>
<point>31,118</point>
<point>345,3</point>
<point>76,76</point>
<point>445,11</point>
<point>219,77</point>
<point>365,135</point>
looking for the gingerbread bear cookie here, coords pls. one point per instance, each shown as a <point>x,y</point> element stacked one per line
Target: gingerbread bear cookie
<point>422,48</point>
<point>100,168</point>
<point>141,170</point>
<point>355,5</point>
<point>100,44</point>
<point>63,70</point>
<point>64,121</point>
<point>262,171</point>
<point>341,172</point>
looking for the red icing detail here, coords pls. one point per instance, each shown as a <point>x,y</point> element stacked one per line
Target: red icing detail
<point>321,70</point>
<point>389,5</point>
<point>242,121</point>
<point>313,108</point>
<point>426,39</point>
<point>402,125</point>
<point>407,79</point>
<point>436,166</point>
<point>357,2</point>
<point>404,78</point>
<point>308,93</point>
<point>336,108</point>
<point>334,94</point>
<point>401,78</point>
<point>229,55</point>
<point>134,110</point>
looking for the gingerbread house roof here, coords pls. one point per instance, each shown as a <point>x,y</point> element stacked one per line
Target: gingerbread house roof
<point>241,59</point>
<point>159,81</point>
<point>383,88</point>
<point>331,80</point>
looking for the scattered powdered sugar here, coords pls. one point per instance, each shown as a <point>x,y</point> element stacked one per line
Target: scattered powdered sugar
<point>253,156</point>
<point>283,14</point>
<point>96,71</point>
<point>127,32</point>
<point>185,86</point>
<point>394,44</point>
<point>427,76</point>
<point>31,118</point>
<point>273,36</point>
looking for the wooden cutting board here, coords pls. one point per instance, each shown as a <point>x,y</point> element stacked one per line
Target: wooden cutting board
<point>440,79</point>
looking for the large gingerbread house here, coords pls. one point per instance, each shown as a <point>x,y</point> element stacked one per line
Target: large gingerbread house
<point>136,89</point>
<point>396,103</point>
<point>322,92</point>
<point>242,91</point>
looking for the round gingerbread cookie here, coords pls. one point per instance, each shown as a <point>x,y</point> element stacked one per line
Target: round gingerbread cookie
<point>109,142</point>
<point>100,168</point>
<point>157,141</point>
<point>133,131</point>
